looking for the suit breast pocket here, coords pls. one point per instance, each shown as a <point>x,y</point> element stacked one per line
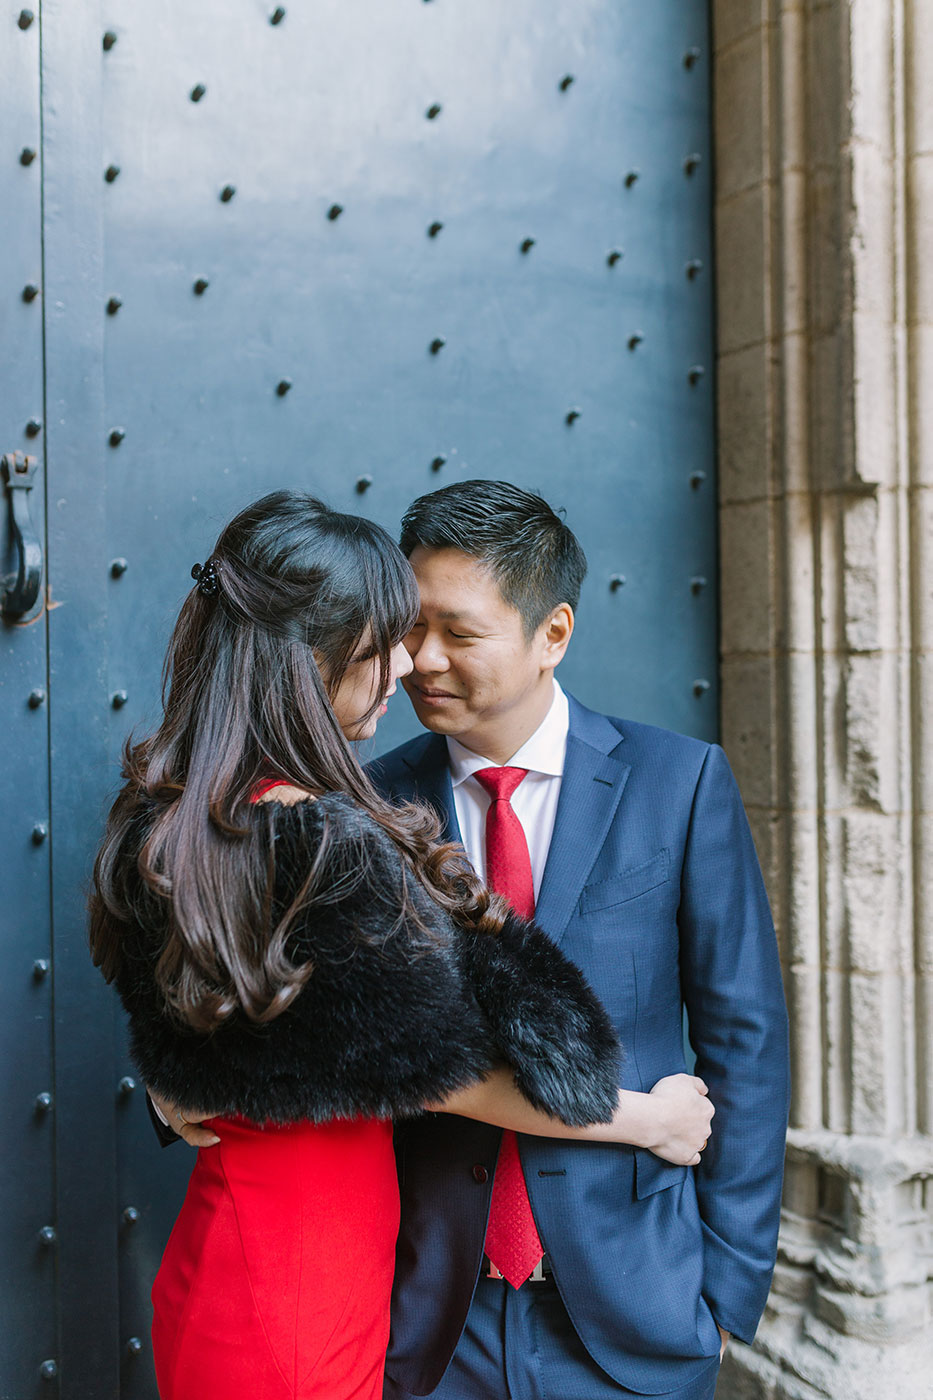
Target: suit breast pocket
<point>627,884</point>
<point>653,1174</point>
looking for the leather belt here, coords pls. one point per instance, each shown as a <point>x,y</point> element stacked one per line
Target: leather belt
<point>542,1270</point>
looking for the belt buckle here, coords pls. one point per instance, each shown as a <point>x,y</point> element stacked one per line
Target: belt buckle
<point>536,1276</point>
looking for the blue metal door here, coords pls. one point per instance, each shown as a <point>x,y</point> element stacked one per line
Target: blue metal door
<point>361,247</point>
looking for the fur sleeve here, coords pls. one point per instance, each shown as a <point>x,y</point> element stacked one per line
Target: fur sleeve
<point>392,1017</point>
<point>546,1021</point>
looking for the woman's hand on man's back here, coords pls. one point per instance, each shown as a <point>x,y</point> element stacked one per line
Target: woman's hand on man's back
<point>186,1122</point>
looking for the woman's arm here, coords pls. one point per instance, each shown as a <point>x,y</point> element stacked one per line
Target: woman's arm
<point>672,1121</point>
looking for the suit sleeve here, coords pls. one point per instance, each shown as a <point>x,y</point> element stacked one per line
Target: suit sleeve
<point>166,1135</point>
<point>738,1028</point>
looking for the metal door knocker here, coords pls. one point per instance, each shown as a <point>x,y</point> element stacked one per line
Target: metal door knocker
<point>21,589</point>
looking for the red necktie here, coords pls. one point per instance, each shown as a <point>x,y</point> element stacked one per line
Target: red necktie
<point>512,1241</point>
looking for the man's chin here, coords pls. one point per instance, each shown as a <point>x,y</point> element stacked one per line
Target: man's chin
<point>440,719</point>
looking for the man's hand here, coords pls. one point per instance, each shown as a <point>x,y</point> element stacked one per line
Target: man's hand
<point>185,1122</point>
<point>683,1116</point>
<point>725,1337</point>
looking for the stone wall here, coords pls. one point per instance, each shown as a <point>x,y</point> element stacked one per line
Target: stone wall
<point>824,226</point>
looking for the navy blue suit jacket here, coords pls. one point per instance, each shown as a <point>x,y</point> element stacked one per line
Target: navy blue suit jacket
<point>653,888</point>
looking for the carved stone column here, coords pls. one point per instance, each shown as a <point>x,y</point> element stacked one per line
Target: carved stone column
<point>824,211</point>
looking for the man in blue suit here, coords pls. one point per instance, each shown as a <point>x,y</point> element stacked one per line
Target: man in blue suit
<point>645,873</point>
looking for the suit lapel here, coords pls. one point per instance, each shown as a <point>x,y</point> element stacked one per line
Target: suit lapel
<point>592,785</point>
<point>594,777</point>
<point>430,782</point>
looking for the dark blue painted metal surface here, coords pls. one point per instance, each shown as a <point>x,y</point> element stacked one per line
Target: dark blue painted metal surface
<point>305,116</point>
<point>84,1013</point>
<point>27,1127</point>
<point>366,249</point>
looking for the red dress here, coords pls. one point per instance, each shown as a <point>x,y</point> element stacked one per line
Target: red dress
<point>276,1282</point>
<point>276,1279</point>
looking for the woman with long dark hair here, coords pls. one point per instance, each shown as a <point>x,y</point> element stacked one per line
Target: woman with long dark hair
<point>307,962</point>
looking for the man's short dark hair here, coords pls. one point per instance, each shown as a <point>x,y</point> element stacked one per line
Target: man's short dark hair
<point>534,557</point>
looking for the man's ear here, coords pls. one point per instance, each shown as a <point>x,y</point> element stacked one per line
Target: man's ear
<point>556,633</point>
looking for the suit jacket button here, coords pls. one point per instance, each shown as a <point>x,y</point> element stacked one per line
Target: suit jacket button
<point>480,1174</point>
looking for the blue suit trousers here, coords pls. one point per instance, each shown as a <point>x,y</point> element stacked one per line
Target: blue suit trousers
<point>519,1344</point>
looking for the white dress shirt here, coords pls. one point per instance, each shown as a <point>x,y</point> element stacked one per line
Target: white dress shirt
<point>534,801</point>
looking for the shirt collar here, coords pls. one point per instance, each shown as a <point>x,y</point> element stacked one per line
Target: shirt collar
<point>543,752</point>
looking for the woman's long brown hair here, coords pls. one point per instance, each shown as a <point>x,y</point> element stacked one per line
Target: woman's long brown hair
<point>246,686</point>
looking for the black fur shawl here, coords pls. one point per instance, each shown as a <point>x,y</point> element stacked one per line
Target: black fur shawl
<point>389,1019</point>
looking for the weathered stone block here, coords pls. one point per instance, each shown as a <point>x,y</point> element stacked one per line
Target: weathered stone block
<point>834,792</point>
<point>801,1199</point>
<point>923,889</point>
<point>747,725</point>
<point>742,254</point>
<point>920,400</point>
<point>875,407</point>
<point>868,1033</point>
<point>792,1284</point>
<point>733,19</point>
<point>798,527</point>
<point>921,519</point>
<point>862,546</point>
<point>873,891</point>
<point>919,54</point>
<point>921,771</point>
<point>828,285</point>
<point>920,174</point>
<point>804,992</point>
<point>888,1318</point>
<point>923,995</point>
<point>802,880</point>
<point>872,735</point>
<point>793,353</point>
<point>766,832</point>
<point>837,1047</point>
<point>871,39</point>
<point>869,225</point>
<point>825,111</point>
<point>747,604</point>
<point>741,87</point>
<point>746,424</point>
<point>801,755</point>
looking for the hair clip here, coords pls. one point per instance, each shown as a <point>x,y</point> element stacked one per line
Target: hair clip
<point>206,575</point>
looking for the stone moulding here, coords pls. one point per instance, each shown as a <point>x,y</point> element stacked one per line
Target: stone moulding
<point>824,230</point>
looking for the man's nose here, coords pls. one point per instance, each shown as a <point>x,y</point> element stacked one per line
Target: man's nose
<point>429,657</point>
